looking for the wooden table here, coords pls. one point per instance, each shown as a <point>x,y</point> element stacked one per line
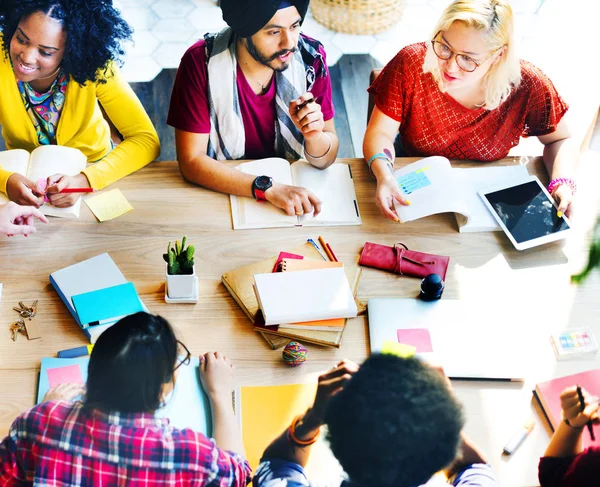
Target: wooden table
<point>166,208</point>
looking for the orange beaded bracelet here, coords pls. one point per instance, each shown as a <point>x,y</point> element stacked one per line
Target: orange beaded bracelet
<point>292,434</point>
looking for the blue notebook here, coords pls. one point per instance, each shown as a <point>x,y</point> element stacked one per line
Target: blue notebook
<point>187,407</point>
<point>108,305</point>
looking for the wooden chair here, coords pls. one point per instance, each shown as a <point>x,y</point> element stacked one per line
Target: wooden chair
<point>372,78</point>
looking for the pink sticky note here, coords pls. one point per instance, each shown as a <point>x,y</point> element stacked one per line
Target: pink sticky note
<point>42,184</point>
<point>417,337</point>
<point>62,375</point>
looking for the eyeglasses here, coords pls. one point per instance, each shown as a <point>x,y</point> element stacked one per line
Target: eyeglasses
<point>186,360</point>
<point>445,52</point>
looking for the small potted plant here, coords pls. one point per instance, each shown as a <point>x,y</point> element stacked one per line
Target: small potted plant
<point>181,273</point>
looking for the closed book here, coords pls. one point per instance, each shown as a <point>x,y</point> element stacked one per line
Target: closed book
<point>318,294</point>
<point>548,395</point>
<point>90,275</point>
<point>107,305</point>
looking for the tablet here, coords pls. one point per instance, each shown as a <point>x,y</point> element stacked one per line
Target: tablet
<point>527,214</point>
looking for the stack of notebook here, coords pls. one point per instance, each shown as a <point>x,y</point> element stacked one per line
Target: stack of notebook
<point>96,293</point>
<point>239,284</point>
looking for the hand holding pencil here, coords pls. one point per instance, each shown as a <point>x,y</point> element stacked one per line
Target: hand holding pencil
<point>579,408</point>
<point>63,191</point>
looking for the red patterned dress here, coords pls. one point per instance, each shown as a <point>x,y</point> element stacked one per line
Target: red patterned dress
<point>433,123</point>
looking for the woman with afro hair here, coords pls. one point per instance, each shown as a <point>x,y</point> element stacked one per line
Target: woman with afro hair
<point>58,74</point>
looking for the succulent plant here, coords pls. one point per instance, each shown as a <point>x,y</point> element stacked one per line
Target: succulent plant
<point>180,259</point>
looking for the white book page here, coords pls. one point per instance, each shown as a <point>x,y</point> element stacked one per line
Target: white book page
<point>53,159</point>
<point>473,180</point>
<point>15,160</point>
<point>334,187</point>
<point>249,213</point>
<point>429,186</point>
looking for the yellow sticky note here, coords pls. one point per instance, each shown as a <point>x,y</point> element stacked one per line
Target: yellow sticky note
<point>109,205</point>
<point>399,349</point>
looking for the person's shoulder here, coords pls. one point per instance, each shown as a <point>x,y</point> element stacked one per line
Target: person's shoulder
<point>532,77</point>
<point>196,53</point>
<point>409,56</point>
<point>45,417</point>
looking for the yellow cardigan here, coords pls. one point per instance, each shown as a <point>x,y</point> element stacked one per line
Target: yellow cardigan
<point>82,126</point>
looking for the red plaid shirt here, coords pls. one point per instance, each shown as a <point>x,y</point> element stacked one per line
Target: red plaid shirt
<point>62,444</point>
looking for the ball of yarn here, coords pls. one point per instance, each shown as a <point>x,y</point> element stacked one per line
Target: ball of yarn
<point>294,354</point>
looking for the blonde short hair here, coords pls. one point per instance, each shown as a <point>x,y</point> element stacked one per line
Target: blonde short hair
<point>494,18</point>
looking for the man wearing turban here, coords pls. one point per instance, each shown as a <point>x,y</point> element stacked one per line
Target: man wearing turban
<point>257,89</point>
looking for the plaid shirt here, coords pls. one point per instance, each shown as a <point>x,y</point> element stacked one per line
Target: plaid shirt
<point>62,444</point>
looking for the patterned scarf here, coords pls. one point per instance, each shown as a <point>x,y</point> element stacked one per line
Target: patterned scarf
<point>44,108</point>
<point>227,138</point>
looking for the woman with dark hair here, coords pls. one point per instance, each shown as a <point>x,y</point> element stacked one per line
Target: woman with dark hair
<point>58,74</point>
<point>112,436</point>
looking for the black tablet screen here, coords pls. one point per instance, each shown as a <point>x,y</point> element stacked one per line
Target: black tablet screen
<point>526,211</point>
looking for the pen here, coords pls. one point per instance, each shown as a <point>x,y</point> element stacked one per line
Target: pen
<point>326,249</point>
<point>304,103</point>
<point>77,190</point>
<point>317,247</point>
<point>582,407</point>
<point>518,437</point>
<point>75,352</point>
<point>335,259</point>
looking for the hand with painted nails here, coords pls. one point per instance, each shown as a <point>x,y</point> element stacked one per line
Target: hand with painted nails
<point>19,220</point>
<point>387,195</point>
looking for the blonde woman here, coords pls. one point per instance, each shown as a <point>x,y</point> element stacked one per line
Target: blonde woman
<point>466,95</point>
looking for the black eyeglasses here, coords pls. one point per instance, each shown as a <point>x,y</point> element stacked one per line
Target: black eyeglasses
<point>186,360</point>
<point>464,62</point>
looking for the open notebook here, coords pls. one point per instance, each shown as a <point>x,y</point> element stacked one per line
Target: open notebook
<point>45,161</point>
<point>433,186</point>
<point>333,186</point>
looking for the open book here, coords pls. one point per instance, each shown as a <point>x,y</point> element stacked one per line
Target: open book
<point>433,186</point>
<point>333,186</point>
<point>45,161</point>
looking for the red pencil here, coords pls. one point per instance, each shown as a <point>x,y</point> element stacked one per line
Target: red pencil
<point>77,190</point>
<point>335,259</point>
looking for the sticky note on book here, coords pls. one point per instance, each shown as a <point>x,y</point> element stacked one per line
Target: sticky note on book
<point>399,349</point>
<point>107,305</point>
<point>109,205</point>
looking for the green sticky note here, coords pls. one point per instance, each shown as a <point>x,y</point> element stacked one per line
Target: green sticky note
<point>400,349</point>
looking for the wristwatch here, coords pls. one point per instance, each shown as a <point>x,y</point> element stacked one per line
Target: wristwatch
<point>259,186</point>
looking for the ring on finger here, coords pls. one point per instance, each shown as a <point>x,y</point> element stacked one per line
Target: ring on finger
<point>299,212</point>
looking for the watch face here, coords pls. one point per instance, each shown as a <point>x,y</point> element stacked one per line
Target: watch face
<point>263,183</point>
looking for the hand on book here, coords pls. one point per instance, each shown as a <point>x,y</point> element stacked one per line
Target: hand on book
<point>294,200</point>
<point>307,116</point>
<point>19,220</point>
<point>216,374</point>
<point>571,407</point>
<point>57,182</point>
<point>388,192</point>
<point>64,392</point>
<point>24,191</point>
<point>330,383</point>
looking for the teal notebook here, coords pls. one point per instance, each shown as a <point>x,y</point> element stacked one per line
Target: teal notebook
<point>187,406</point>
<point>108,305</point>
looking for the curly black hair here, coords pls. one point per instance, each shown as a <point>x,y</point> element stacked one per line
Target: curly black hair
<point>94,29</point>
<point>395,423</point>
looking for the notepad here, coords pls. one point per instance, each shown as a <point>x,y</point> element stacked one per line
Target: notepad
<point>289,297</point>
<point>187,407</point>
<point>107,305</point>
<point>109,205</point>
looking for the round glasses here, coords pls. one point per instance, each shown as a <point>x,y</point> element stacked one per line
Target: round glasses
<point>464,62</point>
<point>187,356</point>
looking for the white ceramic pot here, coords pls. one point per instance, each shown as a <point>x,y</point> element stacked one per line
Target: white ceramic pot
<point>180,285</point>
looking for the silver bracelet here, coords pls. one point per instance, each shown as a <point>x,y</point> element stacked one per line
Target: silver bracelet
<point>326,152</point>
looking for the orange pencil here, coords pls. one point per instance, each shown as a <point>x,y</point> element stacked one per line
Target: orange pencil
<point>326,249</point>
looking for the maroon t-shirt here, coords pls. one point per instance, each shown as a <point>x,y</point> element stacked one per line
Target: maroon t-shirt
<point>189,110</point>
<point>582,470</point>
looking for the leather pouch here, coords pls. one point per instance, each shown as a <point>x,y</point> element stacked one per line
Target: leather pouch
<point>399,259</point>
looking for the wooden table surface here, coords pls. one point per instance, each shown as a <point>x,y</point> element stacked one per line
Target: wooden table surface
<point>482,266</point>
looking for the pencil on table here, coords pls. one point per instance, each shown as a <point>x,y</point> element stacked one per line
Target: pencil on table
<point>326,249</point>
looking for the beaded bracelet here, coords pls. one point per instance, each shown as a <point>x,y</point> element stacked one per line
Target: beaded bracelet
<point>385,157</point>
<point>555,183</point>
<point>292,434</point>
<point>568,423</point>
